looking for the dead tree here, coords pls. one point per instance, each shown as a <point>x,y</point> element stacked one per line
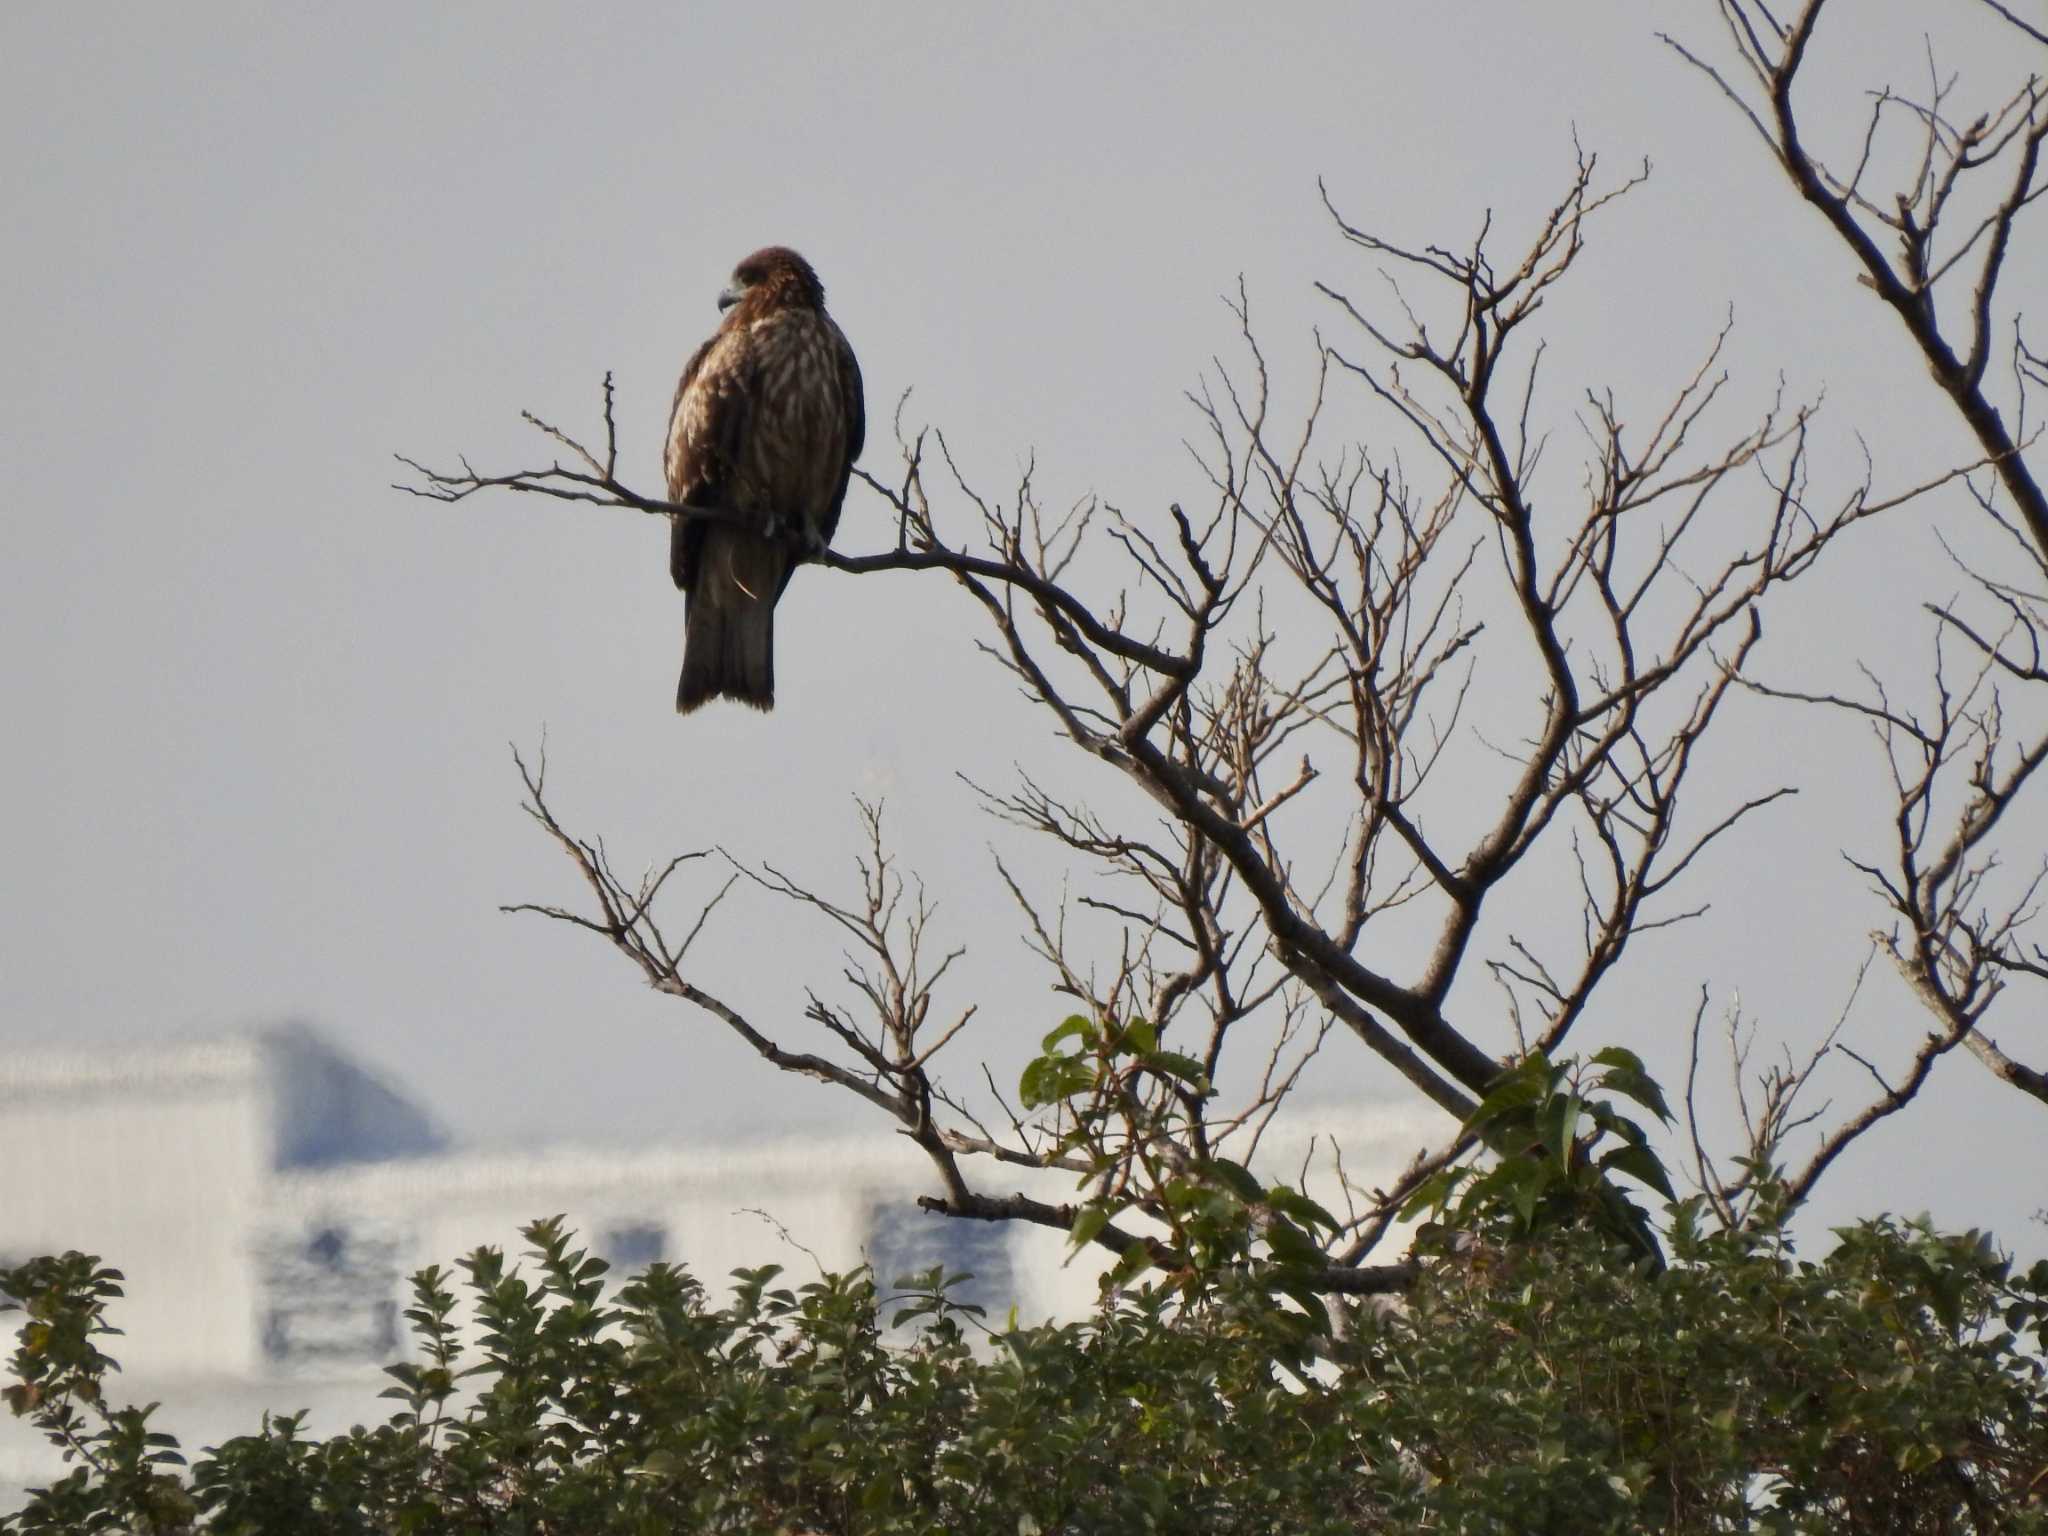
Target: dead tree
<point>1927,201</point>
<point>1286,671</point>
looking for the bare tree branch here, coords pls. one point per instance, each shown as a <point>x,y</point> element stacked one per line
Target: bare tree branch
<point>1410,706</point>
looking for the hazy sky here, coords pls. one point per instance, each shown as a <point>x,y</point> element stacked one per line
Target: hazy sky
<point>257,703</point>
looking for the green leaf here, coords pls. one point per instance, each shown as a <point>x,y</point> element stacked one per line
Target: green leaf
<point>1076,1025</point>
<point>1527,1082</point>
<point>1135,1261</point>
<point>1174,1064</point>
<point>1918,1457</point>
<point>1293,1203</point>
<point>1088,1221</point>
<point>1560,1125</point>
<point>1035,1085</point>
<point>1637,1085</point>
<point>1617,1056</point>
<point>1527,1185</point>
<point>1290,1243</point>
<point>1435,1192</point>
<point>1236,1178</point>
<point>1054,1079</point>
<point>1639,1162</point>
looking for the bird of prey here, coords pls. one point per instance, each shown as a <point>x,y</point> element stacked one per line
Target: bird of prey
<point>767,422</point>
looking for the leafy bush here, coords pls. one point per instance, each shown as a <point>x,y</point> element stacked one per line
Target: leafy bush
<point>1557,1381</point>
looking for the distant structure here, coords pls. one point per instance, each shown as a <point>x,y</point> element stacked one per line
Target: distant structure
<point>167,1159</point>
<point>267,1199</point>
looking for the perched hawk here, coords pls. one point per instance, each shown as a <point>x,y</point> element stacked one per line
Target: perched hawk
<point>767,423</point>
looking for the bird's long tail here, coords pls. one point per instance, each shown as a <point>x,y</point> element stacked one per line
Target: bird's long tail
<point>729,630</point>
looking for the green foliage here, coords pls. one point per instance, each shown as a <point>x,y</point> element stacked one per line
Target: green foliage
<point>1553,1369</point>
<point>57,1379</point>
<point>1542,1383</point>
<point>1559,1144</point>
<point>1738,1389</point>
<point>1126,1105</point>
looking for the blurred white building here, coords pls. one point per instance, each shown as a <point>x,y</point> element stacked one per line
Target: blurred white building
<point>267,1200</point>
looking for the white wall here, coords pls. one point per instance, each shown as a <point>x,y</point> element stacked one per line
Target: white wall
<point>155,1164</point>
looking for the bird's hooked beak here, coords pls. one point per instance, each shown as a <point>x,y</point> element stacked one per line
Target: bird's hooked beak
<point>730,297</point>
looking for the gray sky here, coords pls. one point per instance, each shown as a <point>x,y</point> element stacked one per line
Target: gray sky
<point>258,703</point>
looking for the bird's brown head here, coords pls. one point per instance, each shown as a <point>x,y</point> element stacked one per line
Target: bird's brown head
<point>772,277</point>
